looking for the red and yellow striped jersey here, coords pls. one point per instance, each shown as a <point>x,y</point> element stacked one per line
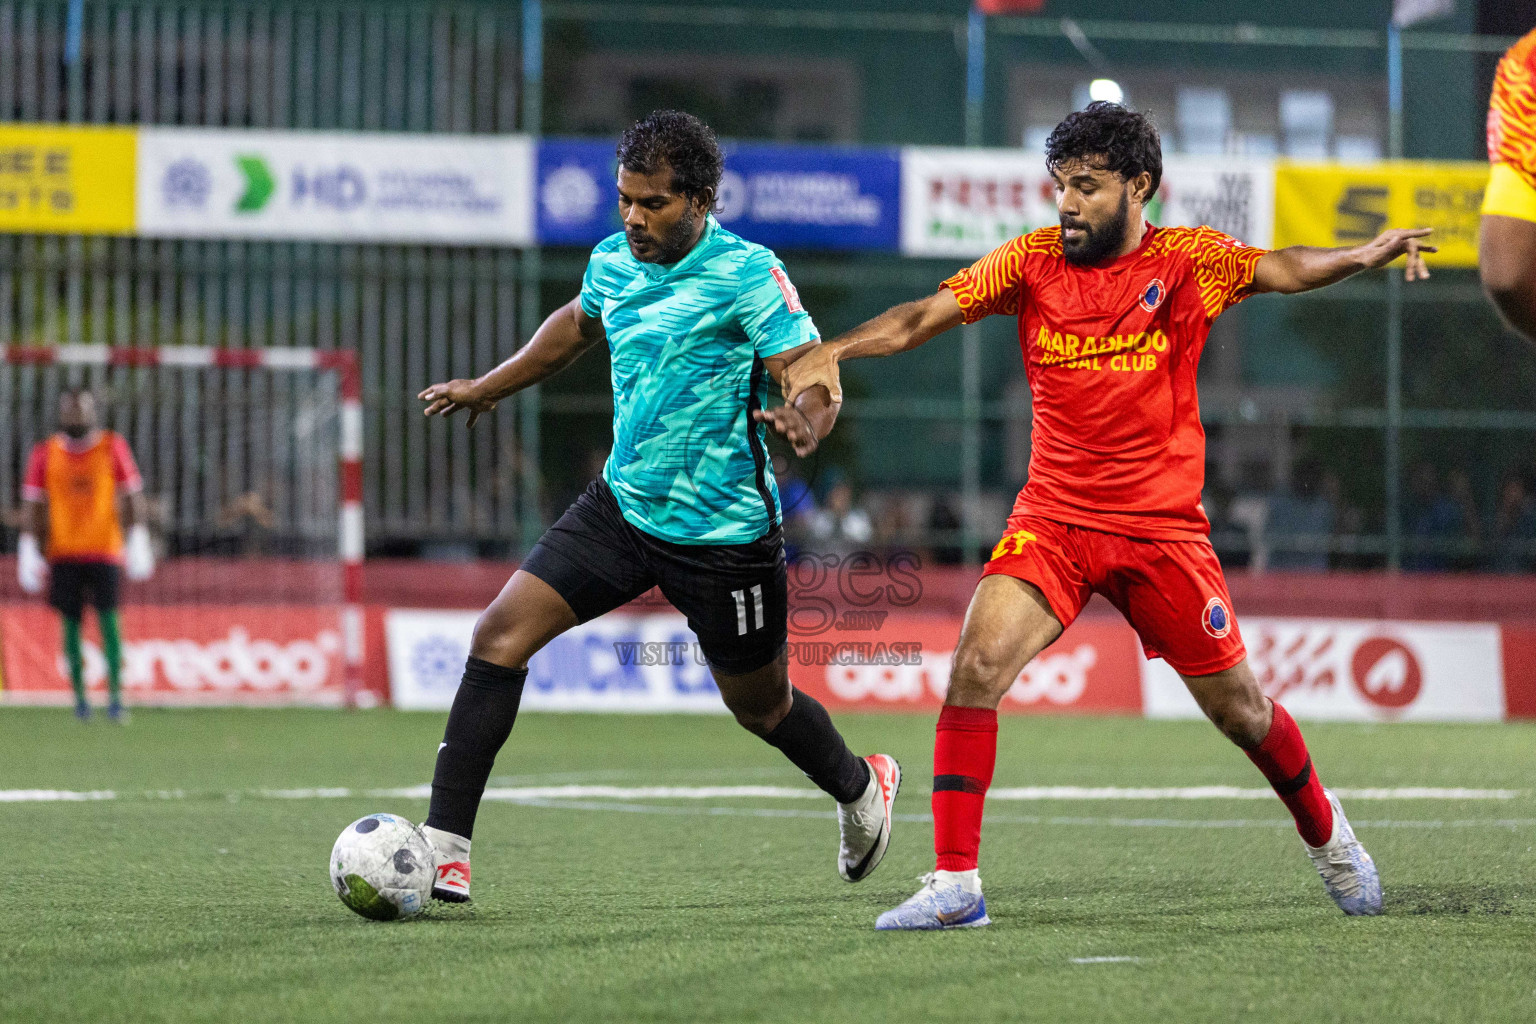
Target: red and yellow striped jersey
<point>1111,353</point>
<point>1512,110</point>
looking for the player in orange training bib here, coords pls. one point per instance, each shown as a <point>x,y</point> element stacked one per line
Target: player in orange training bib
<point>1113,314</point>
<point>1507,243</point>
<point>81,489</point>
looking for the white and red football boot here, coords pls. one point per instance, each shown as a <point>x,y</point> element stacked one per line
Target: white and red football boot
<point>452,853</point>
<point>866,823</point>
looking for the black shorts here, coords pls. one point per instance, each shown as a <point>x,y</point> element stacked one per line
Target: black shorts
<point>73,585</point>
<point>734,595</point>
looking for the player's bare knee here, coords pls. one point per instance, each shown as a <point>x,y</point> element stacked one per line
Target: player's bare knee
<point>1241,718</point>
<point>496,639</point>
<point>979,675</point>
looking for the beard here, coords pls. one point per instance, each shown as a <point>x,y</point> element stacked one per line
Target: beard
<point>76,431</point>
<point>670,247</point>
<point>1096,243</point>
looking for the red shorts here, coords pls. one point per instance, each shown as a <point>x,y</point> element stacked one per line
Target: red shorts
<point>1171,591</point>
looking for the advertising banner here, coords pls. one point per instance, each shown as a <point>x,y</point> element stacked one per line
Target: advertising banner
<point>335,186</point>
<point>789,197</point>
<point>66,180</point>
<point>1344,204</point>
<point>1360,671</point>
<point>965,202</point>
<point>651,662</point>
<point>903,664</point>
<point>1519,642</point>
<point>266,655</point>
<point>1231,194</point>
<point>578,201</point>
<point>619,662</point>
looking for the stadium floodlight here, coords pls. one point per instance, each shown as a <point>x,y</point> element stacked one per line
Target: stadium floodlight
<point>1106,89</point>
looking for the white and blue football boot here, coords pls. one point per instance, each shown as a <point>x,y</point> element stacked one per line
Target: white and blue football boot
<point>1349,873</point>
<point>948,899</point>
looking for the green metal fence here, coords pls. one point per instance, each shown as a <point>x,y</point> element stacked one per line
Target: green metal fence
<point>1395,375</point>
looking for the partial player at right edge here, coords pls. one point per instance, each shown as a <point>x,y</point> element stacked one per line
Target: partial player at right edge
<point>1506,256</point>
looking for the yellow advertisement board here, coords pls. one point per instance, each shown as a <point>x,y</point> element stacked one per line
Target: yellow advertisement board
<point>67,179</point>
<point>1346,204</point>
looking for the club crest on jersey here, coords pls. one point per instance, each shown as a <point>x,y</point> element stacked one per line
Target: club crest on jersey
<point>1152,295</point>
<point>787,289</point>
<point>1216,619</point>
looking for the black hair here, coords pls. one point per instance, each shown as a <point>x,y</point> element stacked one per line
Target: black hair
<point>680,141</point>
<point>1108,136</point>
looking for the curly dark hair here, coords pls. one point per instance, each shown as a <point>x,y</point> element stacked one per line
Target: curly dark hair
<point>1109,136</point>
<point>681,142</point>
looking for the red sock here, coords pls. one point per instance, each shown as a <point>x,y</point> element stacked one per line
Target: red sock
<point>964,754</point>
<point>1284,760</point>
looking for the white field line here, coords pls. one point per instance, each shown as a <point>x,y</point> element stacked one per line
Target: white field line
<point>1242,793</point>
<point>564,802</point>
<point>52,796</point>
<point>1013,819</point>
<point>530,794</point>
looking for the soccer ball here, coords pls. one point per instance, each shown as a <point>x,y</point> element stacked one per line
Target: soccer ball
<point>383,867</point>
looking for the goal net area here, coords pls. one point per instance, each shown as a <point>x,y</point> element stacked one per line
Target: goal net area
<point>252,493</point>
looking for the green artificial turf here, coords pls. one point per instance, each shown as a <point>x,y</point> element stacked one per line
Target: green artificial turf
<point>193,896</point>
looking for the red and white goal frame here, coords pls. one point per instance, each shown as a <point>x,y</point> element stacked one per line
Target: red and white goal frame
<point>344,364</point>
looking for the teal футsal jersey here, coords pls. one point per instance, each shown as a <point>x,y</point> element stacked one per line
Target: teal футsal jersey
<point>687,341</point>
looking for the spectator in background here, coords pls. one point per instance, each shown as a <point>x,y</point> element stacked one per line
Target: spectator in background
<point>796,497</point>
<point>1514,526</point>
<point>1348,521</point>
<point>839,527</point>
<point>1228,537</point>
<point>1301,519</point>
<point>1439,513</point>
<point>943,519</point>
<point>798,503</point>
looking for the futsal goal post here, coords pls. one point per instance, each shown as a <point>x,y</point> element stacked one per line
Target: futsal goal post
<point>253,487</point>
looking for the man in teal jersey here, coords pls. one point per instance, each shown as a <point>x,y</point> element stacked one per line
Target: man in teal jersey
<point>697,320</point>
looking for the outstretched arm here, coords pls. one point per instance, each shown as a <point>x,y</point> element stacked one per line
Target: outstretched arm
<point>1302,268</point>
<point>566,334</point>
<point>809,418</point>
<point>898,329</point>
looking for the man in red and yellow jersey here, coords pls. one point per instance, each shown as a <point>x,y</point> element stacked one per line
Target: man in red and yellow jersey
<point>1507,244</point>
<point>81,489</point>
<point>1113,314</point>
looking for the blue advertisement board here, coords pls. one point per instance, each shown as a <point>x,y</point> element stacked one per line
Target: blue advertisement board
<point>577,200</point>
<point>784,197</point>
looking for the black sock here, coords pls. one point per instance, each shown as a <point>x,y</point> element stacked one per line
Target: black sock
<point>481,720</point>
<point>809,739</point>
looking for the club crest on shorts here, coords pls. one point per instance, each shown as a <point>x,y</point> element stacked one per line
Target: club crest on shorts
<point>1152,295</point>
<point>1216,619</point>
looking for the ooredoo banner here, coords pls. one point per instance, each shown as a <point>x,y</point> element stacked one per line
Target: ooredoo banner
<point>904,665</point>
<point>276,655</point>
<point>1360,671</point>
<point>965,202</point>
<point>336,186</point>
